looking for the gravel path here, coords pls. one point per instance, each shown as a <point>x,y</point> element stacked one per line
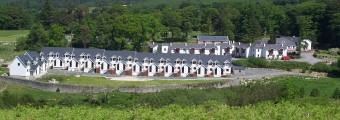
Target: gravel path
<point>308,57</point>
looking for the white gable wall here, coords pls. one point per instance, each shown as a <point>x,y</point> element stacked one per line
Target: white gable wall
<point>18,70</point>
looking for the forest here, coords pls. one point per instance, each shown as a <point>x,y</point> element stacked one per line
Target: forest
<point>131,25</point>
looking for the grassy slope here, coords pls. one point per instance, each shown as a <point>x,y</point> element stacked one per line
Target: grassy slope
<point>7,51</point>
<point>12,35</point>
<point>210,110</point>
<point>37,94</point>
<point>326,86</point>
<point>101,81</point>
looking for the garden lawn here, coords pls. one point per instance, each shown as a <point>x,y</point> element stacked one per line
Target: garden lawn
<point>101,81</point>
<point>12,35</point>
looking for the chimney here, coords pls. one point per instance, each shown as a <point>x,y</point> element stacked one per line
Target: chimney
<point>281,45</point>
<point>185,44</point>
<point>264,45</point>
<point>170,44</point>
<point>153,43</point>
<point>239,43</point>
<point>205,44</point>
<point>249,44</point>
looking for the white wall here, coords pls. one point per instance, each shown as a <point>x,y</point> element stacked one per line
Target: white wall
<point>16,70</point>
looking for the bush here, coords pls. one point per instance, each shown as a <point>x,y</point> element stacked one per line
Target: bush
<point>321,67</point>
<point>336,94</point>
<point>258,62</point>
<point>302,92</point>
<point>27,99</point>
<point>333,51</point>
<point>314,93</point>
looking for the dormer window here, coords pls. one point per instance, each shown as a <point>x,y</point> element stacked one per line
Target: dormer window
<point>129,59</point>
<point>200,63</point>
<point>57,55</point>
<point>119,58</point>
<point>146,61</point>
<point>151,60</point>
<point>194,62</point>
<point>183,61</point>
<point>98,57</point>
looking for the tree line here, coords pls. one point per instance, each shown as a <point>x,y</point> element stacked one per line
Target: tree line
<point>130,28</point>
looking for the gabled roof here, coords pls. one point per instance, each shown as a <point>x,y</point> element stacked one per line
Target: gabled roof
<point>191,45</point>
<point>285,42</point>
<point>32,54</point>
<point>213,38</point>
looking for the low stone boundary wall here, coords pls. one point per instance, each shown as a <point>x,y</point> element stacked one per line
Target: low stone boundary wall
<point>54,87</point>
<point>96,89</point>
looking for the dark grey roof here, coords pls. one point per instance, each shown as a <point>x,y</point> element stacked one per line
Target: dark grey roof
<point>213,38</point>
<point>34,67</point>
<point>262,41</point>
<point>24,59</point>
<point>33,54</point>
<point>243,45</point>
<point>141,56</point>
<point>238,68</point>
<point>285,42</point>
<point>274,46</point>
<point>60,50</point>
<point>192,45</point>
<point>293,39</point>
<point>224,45</point>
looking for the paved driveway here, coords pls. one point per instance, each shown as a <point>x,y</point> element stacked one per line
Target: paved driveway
<point>308,57</point>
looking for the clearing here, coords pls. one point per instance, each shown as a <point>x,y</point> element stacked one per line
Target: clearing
<point>12,35</point>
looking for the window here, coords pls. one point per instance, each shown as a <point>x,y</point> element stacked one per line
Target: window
<point>98,63</point>
<point>199,71</point>
<point>150,69</point>
<point>178,68</point>
<point>166,69</point>
<point>76,64</point>
<point>134,68</point>
<point>227,70</point>
<point>70,64</point>
<point>130,65</point>
<point>215,71</point>
<point>18,64</point>
<point>194,68</point>
<point>164,49</point>
<point>182,69</point>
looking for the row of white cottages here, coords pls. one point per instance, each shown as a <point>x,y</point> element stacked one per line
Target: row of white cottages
<point>259,49</point>
<point>122,63</point>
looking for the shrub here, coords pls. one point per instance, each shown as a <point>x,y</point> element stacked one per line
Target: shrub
<point>333,51</point>
<point>314,93</point>
<point>27,99</point>
<point>258,62</point>
<point>321,67</point>
<point>8,99</point>
<point>336,94</point>
<point>302,92</point>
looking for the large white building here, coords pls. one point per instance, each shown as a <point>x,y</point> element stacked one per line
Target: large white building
<point>127,63</point>
<point>260,49</point>
<point>29,64</point>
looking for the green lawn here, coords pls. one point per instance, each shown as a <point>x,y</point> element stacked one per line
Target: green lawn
<point>101,81</point>
<point>326,86</point>
<point>12,35</point>
<point>7,52</point>
<point>3,70</point>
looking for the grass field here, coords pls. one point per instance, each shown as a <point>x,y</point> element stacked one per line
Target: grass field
<point>101,81</point>
<point>7,52</point>
<point>326,86</point>
<point>12,35</point>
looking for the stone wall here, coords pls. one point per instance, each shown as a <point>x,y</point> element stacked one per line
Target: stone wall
<point>53,87</point>
<point>96,89</point>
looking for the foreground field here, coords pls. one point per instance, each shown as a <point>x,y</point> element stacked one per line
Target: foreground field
<point>210,110</point>
<point>101,81</point>
<point>12,35</point>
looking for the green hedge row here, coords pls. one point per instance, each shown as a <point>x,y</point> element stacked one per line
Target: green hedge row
<point>286,65</point>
